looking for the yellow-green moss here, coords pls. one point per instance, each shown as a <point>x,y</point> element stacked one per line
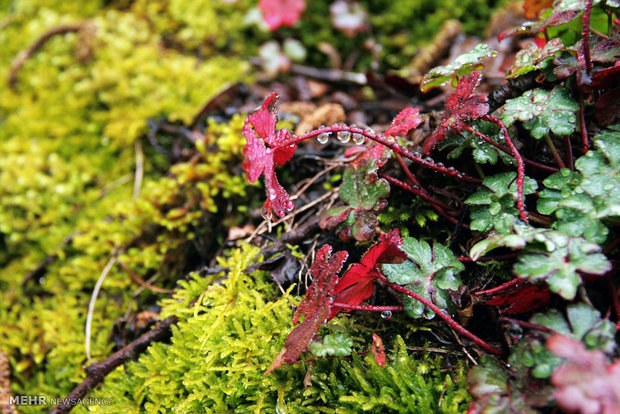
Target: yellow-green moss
<point>224,343</point>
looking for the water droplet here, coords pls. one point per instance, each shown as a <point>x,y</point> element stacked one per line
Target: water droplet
<point>428,159</point>
<point>272,196</point>
<point>343,136</point>
<point>323,138</point>
<point>386,315</point>
<point>41,280</point>
<point>358,139</point>
<point>451,169</point>
<point>440,164</point>
<point>416,187</point>
<point>417,154</point>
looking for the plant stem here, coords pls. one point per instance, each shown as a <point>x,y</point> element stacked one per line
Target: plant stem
<point>582,121</point>
<point>454,324</point>
<point>520,165</point>
<point>507,256</point>
<point>368,308</point>
<point>437,205</point>
<point>504,286</point>
<point>585,33</point>
<point>554,151</point>
<point>381,139</point>
<point>527,324</point>
<point>569,152</point>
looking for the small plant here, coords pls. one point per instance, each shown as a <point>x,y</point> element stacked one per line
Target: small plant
<point>558,248</point>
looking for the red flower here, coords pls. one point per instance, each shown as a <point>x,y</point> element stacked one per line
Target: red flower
<point>357,284</point>
<point>260,129</point>
<point>278,13</point>
<point>460,107</point>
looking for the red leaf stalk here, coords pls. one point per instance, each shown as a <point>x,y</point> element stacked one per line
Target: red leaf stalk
<point>585,33</point>
<point>454,324</point>
<point>501,288</point>
<point>381,139</point>
<point>520,165</point>
<point>439,206</point>
<point>368,308</point>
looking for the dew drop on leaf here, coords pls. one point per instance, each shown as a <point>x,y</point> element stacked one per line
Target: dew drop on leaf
<point>323,138</point>
<point>358,139</point>
<point>343,136</point>
<point>386,315</point>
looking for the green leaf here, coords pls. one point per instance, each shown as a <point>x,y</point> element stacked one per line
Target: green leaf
<point>462,66</point>
<point>582,322</point>
<point>336,345</point>
<point>582,200</point>
<point>482,151</point>
<point>495,202</point>
<point>542,112</point>
<point>361,188</point>
<point>556,258</point>
<point>534,58</point>
<point>430,272</point>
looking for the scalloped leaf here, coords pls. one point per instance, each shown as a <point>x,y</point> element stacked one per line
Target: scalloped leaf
<point>557,258</point>
<point>461,108</point>
<point>495,202</point>
<point>534,58</point>
<point>582,323</point>
<point>482,151</point>
<point>365,193</point>
<point>582,200</point>
<point>260,159</point>
<point>462,66</point>
<point>406,120</point>
<point>315,306</point>
<point>543,112</point>
<point>429,271</point>
<point>332,345</point>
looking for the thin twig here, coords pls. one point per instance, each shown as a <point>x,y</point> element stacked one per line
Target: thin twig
<point>367,308</point>
<point>554,151</point>
<point>24,55</point>
<point>528,325</point>
<point>582,121</point>
<point>137,183</point>
<point>93,299</point>
<point>97,371</point>
<point>137,279</point>
<point>504,286</point>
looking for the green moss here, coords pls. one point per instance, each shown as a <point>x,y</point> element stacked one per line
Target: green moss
<point>225,342</point>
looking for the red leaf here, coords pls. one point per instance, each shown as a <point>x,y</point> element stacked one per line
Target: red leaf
<point>278,13</point>
<point>533,8</point>
<point>460,109</point>
<point>315,306</point>
<point>406,120</point>
<point>376,152</point>
<point>260,159</point>
<point>357,284</point>
<point>521,298</point>
<point>585,384</point>
<point>378,350</point>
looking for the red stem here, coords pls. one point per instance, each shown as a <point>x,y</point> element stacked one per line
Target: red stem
<point>582,121</point>
<point>569,152</point>
<point>520,165</point>
<point>437,205</point>
<point>381,139</point>
<point>368,308</point>
<point>585,33</point>
<point>454,324</point>
<point>527,324</point>
<point>525,160</point>
<point>507,256</point>
<point>501,288</point>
